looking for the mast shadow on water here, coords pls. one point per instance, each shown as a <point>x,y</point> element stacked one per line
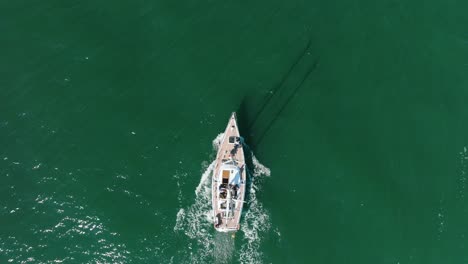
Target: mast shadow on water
<point>254,127</point>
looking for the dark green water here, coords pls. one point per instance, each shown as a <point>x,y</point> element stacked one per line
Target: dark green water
<point>109,109</point>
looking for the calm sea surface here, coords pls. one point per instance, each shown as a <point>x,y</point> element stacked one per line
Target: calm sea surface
<point>355,116</point>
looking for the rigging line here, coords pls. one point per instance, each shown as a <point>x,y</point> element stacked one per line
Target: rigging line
<point>288,100</point>
<point>281,83</point>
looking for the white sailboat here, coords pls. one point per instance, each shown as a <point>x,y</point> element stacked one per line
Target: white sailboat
<point>229,180</point>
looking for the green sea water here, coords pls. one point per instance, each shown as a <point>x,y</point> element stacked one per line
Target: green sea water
<point>355,116</point>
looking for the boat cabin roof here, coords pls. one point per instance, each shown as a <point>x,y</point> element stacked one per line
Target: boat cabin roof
<point>230,174</point>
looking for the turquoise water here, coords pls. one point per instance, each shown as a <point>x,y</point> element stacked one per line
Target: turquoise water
<point>355,115</point>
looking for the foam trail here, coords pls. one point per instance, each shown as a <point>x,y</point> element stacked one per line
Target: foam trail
<point>195,221</point>
<point>204,178</point>
<point>259,169</point>
<point>224,247</point>
<point>256,221</point>
<point>209,170</point>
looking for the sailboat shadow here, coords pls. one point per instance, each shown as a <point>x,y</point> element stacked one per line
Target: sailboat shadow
<point>252,179</point>
<point>244,129</point>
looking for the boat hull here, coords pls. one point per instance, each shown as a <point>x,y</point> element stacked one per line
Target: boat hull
<point>229,180</point>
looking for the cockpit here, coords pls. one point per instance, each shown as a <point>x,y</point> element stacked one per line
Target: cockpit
<point>229,180</point>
